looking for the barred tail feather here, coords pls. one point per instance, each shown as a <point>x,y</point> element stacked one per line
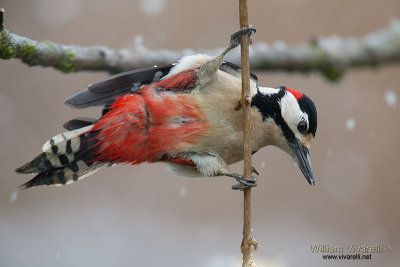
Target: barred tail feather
<point>62,176</point>
<point>65,159</point>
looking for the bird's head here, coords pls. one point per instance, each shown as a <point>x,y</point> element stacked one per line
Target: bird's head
<point>295,117</point>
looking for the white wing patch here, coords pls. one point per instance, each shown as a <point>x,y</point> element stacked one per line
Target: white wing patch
<point>187,63</point>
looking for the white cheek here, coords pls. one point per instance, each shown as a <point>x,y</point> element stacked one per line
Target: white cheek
<point>292,113</point>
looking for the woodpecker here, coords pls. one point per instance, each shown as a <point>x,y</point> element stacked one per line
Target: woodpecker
<point>182,114</point>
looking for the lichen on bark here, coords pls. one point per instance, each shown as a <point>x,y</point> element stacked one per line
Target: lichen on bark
<point>67,62</point>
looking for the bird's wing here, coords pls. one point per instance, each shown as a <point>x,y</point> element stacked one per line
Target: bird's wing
<point>236,70</point>
<point>104,92</point>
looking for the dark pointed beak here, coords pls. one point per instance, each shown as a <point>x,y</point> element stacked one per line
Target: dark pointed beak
<point>302,157</point>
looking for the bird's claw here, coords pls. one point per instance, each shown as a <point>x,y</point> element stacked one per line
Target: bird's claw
<point>245,183</point>
<point>235,38</point>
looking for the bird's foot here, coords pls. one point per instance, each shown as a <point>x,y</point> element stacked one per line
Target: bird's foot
<point>235,38</point>
<point>245,183</point>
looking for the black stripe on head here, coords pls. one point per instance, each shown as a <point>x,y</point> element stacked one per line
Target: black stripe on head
<point>269,107</point>
<point>307,106</point>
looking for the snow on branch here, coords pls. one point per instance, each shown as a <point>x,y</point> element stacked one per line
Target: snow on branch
<point>330,56</point>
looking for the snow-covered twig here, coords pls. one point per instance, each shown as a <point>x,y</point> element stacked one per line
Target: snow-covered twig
<point>330,56</point>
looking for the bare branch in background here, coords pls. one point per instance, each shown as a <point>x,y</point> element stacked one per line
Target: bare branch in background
<point>331,56</point>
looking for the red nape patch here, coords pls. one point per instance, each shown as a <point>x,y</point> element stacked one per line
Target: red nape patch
<point>296,94</point>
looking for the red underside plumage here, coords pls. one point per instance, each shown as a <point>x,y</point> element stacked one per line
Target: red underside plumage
<point>156,122</point>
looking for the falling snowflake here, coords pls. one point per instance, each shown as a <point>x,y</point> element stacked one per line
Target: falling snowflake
<point>350,124</point>
<point>390,98</point>
<point>13,196</point>
<point>182,191</point>
<point>152,7</point>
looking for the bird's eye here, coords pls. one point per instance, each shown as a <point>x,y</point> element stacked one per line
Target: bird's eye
<point>302,126</point>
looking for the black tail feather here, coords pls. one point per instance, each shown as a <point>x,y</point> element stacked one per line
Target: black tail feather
<point>78,123</point>
<point>66,158</point>
<point>39,164</point>
<point>42,178</point>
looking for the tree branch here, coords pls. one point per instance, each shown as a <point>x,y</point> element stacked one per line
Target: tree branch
<point>331,56</point>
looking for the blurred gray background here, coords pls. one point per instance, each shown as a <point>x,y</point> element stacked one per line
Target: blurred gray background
<point>142,216</point>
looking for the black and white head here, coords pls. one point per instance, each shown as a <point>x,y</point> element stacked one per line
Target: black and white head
<point>295,116</point>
